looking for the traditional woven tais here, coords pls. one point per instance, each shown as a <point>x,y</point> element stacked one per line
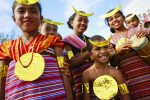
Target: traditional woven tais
<point>77,43</point>
<point>49,86</point>
<point>136,73</point>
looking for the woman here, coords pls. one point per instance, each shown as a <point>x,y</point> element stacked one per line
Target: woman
<point>76,47</point>
<point>135,70</point>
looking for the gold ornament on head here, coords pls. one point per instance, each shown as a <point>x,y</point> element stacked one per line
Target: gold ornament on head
<point>81,13</point>
<point>129,17</point>
<point>112,12</point>
<point>27,2</point>
<point>100,44</point>
<point>52,22</point>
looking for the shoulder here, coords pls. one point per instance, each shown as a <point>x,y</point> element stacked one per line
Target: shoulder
<point>114,71</point>
<point>86,74</point>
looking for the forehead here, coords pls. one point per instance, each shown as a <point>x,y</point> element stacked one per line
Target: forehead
<point>21,6</point>
<point>49,25</point>
<point>117,13</point>
<point>81,17</point>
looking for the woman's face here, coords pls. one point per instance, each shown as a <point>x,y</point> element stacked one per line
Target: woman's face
<point>27,17</point>
<point>116,21</point>
<point>80,24</point>
<point>100,54</point>
<point>48,29</point>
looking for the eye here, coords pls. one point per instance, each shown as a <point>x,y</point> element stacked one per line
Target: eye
<point>34,10</point>
<point>21,10</point>
<point>110,19</point>
<point>105,47</point>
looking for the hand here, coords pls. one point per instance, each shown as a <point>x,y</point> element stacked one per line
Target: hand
<point>141,33</point>
<point>65,69</point>
<point>125,48</point>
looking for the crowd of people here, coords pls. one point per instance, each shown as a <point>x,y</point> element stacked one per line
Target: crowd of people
<point>41,65</point>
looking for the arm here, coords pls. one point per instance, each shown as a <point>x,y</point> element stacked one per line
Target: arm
<point>86,90</point>
<point>66,80</point>
<point>3,69</point>
<point>125,48</point>
<point>119,78</point>
<point>77,59</point>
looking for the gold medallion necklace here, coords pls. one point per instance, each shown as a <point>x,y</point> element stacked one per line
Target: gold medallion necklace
<point>105,86</point>
<point>25,66</point>
<point>30,65</point>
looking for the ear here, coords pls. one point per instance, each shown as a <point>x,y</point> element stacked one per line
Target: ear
<point>13,17</point>
<point>91,56</point>
<point>71,22</point>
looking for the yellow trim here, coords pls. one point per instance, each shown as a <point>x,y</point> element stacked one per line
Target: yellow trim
<point>70,54</point>
<point>3,70</point>
<point>60,61</point>
<point>112,12</point>
<point>27,2</point>
<point>123,88</point>
<point>81,13</point>
<point>100,44</point>
<point>87,87</point>
<point>52,22</point>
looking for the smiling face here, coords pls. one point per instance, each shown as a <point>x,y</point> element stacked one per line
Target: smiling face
<point>27,17</point>
<point>100,54</point>
<point>116,21</point>
<point>79,24</point>
<point>48,29</point>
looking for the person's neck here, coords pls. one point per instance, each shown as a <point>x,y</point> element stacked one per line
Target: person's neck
<point>28,37</point>
<point>100,65</point>
<point>121,30</point>
<point>78,34</point>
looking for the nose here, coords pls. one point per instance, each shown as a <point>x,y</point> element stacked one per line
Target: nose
<point>27,14</point>
<point>103,50</point>
<point>83,22</point>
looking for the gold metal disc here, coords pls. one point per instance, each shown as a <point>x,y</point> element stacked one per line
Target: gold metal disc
<point>105,87</point>
<point>34,70</point>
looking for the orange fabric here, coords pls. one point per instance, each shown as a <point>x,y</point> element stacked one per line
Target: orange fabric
<point>15,48</point>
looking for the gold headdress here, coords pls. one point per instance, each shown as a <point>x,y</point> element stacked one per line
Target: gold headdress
<point>112,12</point>
<point>52,22</point>
<point>129,17</point>
<point>100,44</point>
<point>81,13</point>
<point>27,2</point>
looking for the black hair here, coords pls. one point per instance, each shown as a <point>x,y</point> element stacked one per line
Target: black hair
<point>95,38</point>
<point>71,18</point>
<point>106,19</point>
<point>38,4</point>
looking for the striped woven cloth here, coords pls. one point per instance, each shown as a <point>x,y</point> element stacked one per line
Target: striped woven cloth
<point>49,86</point>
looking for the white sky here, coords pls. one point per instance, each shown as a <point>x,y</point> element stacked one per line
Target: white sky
<point>60,10</point>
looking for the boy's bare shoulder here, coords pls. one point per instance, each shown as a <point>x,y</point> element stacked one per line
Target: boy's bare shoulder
<point>113,70</point>
<point>87,71</point>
